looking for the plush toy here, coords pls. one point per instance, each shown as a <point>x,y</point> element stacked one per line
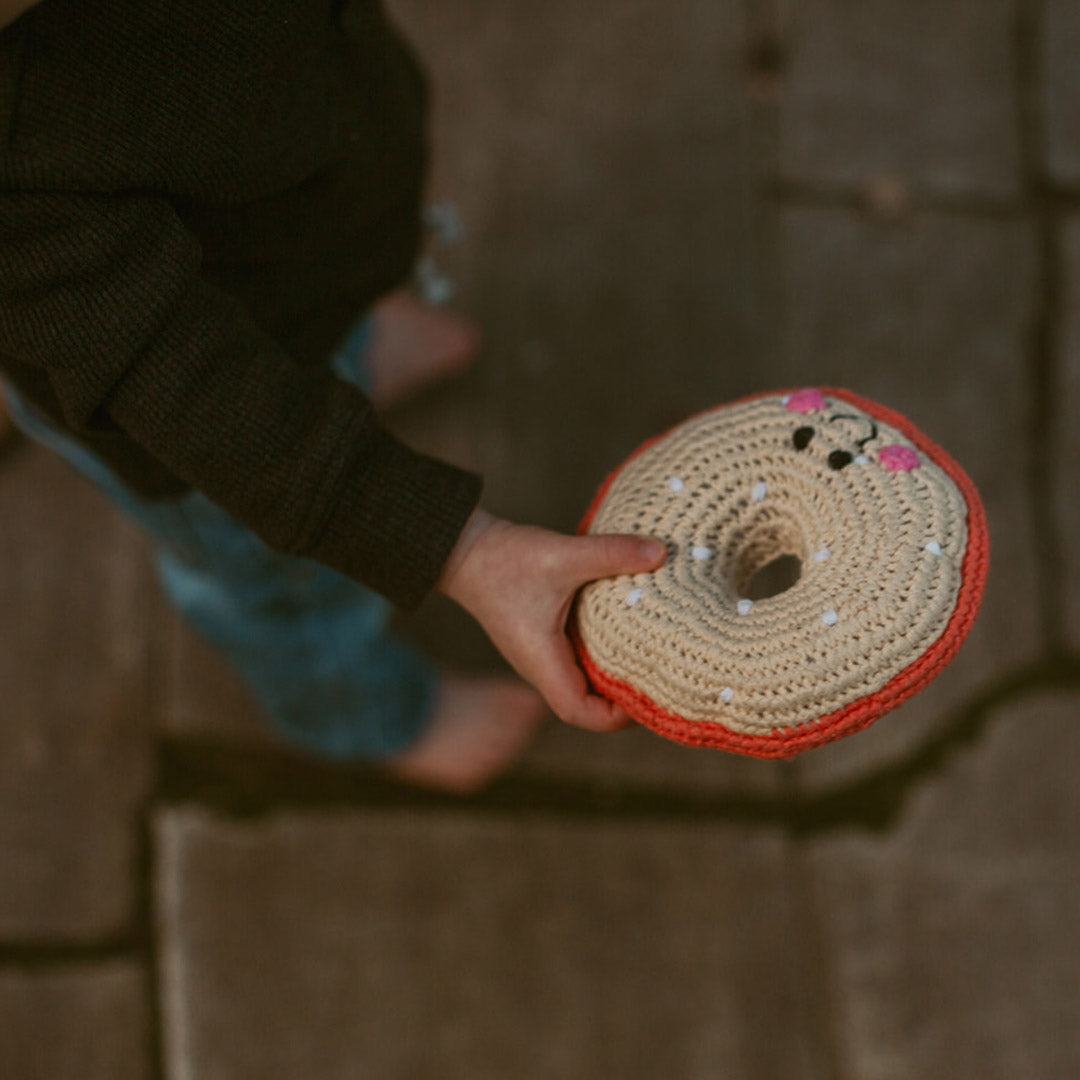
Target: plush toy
<point>880,533</point>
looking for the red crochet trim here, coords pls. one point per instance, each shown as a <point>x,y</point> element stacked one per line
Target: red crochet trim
<point>859,714</point>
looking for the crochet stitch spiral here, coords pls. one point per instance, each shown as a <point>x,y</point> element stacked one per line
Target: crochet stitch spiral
<point>892,553</point>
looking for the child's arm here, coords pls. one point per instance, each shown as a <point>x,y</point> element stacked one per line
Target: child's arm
<point>519,582</point>
<point>104,296</point>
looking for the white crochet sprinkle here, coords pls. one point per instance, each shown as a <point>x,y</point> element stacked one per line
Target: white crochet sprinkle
<point>829,617</point>
<point>675,483</point>
<point>933,547</point>
<point>759,491</point>
<point>743,606</point>
<point>822,555</point>
<point>785,399</point>
<point>861,459</point>
<point>701,552</point>
<point>727,694</point>
<point>633,596</point>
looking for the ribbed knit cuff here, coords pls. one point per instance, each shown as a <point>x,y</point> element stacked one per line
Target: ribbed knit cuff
<point>395,536</point>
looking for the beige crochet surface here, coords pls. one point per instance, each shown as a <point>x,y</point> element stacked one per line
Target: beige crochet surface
<point>880,554</point>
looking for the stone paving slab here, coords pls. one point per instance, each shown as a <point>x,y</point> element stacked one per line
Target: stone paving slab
<point>603,164</point>
<point>929,315</point>
<point>75,1023</point>
<point>1066,462</point>
<point>1061,89</point>
<point>203,696</point>
<point>920,91</point>
<point>954,944</point>
<point>905,305</point>
<point>404,945</point>
<point>75,760</point>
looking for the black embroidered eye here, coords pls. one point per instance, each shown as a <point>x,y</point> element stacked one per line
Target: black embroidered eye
<point>838,459</point>
<point>802,437</point>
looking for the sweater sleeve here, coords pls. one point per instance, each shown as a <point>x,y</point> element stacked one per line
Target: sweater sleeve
<point>104,292</point>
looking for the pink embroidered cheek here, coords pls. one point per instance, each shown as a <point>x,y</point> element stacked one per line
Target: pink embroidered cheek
<point>898,458</point>
<point>804,401</point>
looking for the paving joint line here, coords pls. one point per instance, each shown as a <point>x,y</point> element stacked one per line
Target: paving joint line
<point>243,783</point>
<point>145,872</point>
<point>36,954</point>
<point>823,994</point>
<point>855,198</point>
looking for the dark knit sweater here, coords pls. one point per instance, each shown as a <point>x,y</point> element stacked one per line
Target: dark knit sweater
<point>197,198</point>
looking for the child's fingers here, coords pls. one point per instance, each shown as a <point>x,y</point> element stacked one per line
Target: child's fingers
<point>592,557</point>
<point>615,717</point>
<point>566,690</point>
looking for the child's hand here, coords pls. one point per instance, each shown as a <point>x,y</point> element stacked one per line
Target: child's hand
<point>518,581</point>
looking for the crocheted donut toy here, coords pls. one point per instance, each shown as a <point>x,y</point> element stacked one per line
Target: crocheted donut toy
<point>892,553</point>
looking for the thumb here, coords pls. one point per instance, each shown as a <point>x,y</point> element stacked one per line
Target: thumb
<point>595,557</point>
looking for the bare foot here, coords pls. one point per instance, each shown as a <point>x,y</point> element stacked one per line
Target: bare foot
<point>480,727</point>
<point>414,344</point>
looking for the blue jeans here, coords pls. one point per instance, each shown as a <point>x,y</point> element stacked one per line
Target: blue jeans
<point>311,643</point>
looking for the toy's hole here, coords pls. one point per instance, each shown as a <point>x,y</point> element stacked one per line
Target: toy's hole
<point>766,559</point>
<point>774,577</point>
